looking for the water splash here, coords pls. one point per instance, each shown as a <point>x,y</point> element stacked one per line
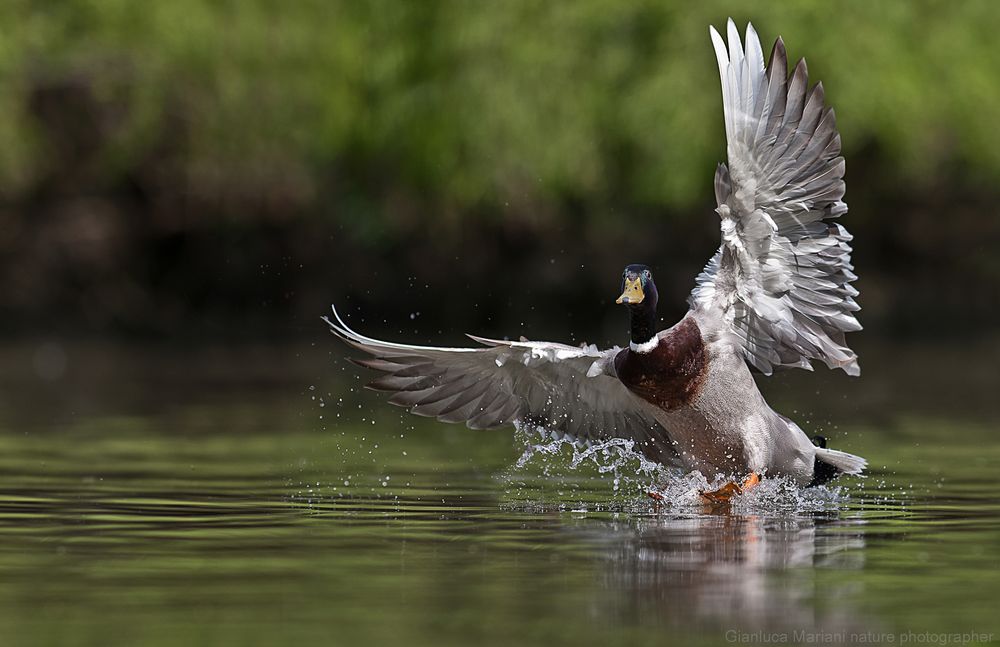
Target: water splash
<point>614,456</point>
<point>773,495</point>
<point>578,472</point>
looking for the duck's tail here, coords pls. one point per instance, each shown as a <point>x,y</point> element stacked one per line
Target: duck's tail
<point>831,463</point>
<point>843,462</point>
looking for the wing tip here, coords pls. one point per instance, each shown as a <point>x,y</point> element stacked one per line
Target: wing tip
<point>340,327</point>
<point>336,315</point>
<point>735,43</point>
<point>372,345</point>
<point>778,53</point>
<point>801,64</point>
<point>719,45</point>
<point>486,341</point>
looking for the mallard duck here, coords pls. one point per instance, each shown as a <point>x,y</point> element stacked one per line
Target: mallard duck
<point>776,294</point>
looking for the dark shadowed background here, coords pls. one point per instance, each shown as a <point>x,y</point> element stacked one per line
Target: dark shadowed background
<point>219,170</point>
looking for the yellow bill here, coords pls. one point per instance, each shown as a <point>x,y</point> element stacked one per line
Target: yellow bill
<point>633,291</point>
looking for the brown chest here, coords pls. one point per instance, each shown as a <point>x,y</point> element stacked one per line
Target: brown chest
<point>671,374</point>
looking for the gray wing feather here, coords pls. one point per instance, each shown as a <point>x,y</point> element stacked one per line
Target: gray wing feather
<point>780,282</point>
<point>566,390</point>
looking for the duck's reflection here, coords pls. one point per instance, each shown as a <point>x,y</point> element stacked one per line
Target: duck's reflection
<point>737,571</point>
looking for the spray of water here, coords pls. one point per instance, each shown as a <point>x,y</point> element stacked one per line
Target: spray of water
<point>579,473</point>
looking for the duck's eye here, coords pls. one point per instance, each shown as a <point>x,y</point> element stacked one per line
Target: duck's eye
<point>646,274</point>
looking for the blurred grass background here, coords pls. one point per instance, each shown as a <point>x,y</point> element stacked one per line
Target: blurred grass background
<point>217,168</point>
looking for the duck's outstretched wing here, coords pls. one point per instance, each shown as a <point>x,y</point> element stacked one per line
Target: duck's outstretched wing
<point>566,390</point>
<point>780,282</point>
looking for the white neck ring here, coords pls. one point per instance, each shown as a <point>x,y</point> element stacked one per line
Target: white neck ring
<point>645,347</point>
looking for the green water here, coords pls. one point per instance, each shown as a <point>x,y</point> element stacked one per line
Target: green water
<point>257,497</point>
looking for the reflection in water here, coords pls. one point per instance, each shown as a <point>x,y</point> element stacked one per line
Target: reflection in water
<point>150,506</point>
<point>736,571</point>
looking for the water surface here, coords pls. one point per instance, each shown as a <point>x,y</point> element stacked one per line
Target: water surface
<point>256,496</point>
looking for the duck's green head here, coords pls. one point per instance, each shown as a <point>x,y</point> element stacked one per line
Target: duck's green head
<point>638,287</point>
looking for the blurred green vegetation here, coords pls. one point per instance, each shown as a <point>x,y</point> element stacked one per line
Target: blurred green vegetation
<point>137,140</point>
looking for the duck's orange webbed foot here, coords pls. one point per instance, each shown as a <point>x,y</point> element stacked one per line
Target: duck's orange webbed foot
<point>725,493</point>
